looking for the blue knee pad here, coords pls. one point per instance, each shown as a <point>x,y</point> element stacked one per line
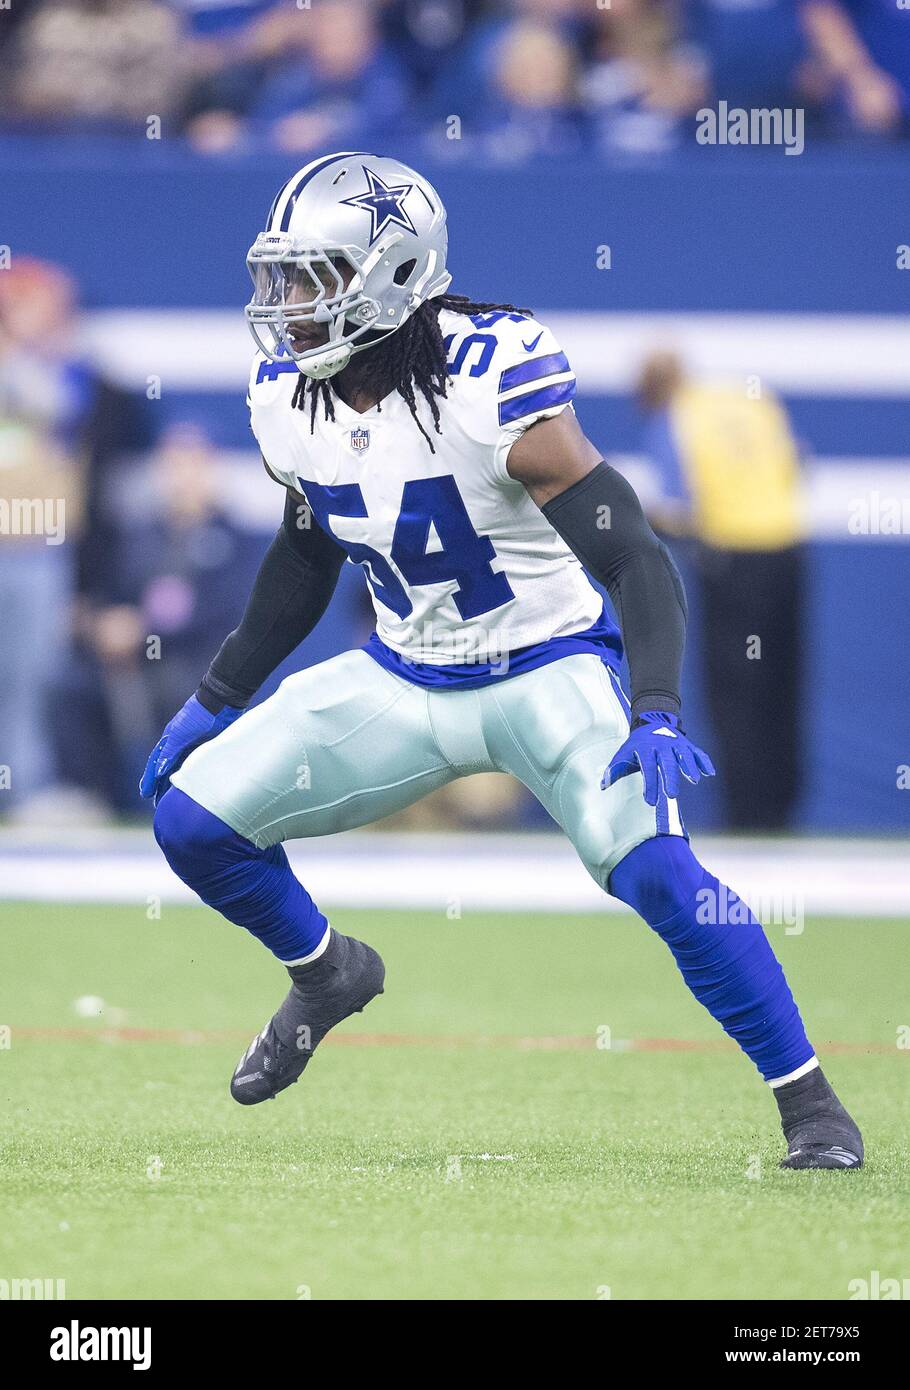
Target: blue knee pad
<point>720,948</point>
<point>658,878</point>
<point>253,887</point>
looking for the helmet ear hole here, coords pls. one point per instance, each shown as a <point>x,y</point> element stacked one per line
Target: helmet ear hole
<point>404,272</point>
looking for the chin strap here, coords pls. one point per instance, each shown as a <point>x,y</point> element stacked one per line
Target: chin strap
<point>328,363</point>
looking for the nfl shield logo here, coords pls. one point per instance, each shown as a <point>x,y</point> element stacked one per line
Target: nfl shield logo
<point>360,439</point>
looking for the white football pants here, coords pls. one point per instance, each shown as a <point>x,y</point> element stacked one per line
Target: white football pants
<point>346,743</point>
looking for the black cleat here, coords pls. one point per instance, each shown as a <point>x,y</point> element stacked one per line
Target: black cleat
<point>341,982</point>
<point>817,1128</point>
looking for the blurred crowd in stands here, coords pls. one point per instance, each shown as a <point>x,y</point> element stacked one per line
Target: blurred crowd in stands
<point>124,563</point>
<point>506,78</point>
<point>119,601</point>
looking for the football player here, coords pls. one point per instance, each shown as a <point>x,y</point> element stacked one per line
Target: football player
<point>432,440</point>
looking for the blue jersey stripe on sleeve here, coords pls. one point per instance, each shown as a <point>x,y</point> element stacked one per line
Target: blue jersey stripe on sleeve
<point>533,370</point>
<point>542,399</point>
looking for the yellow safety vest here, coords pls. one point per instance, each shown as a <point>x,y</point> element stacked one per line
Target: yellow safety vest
<point>741,464</point>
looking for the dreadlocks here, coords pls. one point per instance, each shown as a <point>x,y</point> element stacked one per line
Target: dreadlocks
<point>410,360</point>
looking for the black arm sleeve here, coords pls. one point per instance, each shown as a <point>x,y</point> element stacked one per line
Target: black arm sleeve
<point>601,521</point>
<point>292,590</point>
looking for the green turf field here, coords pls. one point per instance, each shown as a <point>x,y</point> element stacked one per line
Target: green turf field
<point>442,1153</point>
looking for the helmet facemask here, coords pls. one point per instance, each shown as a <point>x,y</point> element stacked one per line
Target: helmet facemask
<point>314,287</point>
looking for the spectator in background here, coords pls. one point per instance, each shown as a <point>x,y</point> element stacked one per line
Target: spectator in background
<point>532,107</point>
<point>171,593</point>
<point>96,63</point>
<point>427,34</point>
<point>754,50</point>
<point>847,61</point>
<point>639,79</point>
<point>46,395</point>
<point>863,48</point>
<point>308,79</point>
<point>729,478</point>
<point>468,84</point>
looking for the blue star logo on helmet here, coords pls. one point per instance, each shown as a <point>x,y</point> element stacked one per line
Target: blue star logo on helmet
<point>384,204</point>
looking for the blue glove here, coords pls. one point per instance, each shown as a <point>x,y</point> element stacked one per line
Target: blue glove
<point>190,726</point>
<point>659,748</point>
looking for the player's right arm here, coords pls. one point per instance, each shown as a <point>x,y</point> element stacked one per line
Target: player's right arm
<point>291,592</point>
<point>597,514</point>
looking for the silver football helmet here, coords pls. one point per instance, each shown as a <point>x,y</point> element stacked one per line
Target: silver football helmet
<point>354,244</point>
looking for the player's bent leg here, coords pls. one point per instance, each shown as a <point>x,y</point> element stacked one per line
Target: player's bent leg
<point>308,761</point>
<point>557,729</point>
<point>254,888</point>
<point>333,976</point>
<point>339,745</point>
<point>721,950</point>
<point>726,960</point>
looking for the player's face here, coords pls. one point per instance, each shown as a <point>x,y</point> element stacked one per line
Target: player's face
<point>307,286</point>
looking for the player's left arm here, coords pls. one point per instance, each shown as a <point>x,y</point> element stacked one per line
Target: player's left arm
<point>596,512</point>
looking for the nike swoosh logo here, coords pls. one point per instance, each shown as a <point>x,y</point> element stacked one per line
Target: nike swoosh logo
<point>529,347</point>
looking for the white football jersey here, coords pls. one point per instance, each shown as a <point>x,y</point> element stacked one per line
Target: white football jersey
<point>461,563</point>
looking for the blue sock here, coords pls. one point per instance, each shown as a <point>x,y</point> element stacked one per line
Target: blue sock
<point>728,965</point>
<point>253,887</point>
